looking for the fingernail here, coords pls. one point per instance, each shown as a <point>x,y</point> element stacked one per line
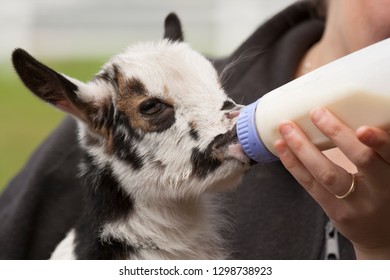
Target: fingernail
<point>286,129</point>
<point>368,136</point>
<point>280,148</point>
<point>317,114</point>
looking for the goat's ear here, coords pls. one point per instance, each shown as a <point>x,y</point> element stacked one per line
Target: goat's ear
<point>63,92</point>
<point>172,28</point>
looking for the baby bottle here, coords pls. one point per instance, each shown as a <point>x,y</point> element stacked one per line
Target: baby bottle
<point>355,88</point>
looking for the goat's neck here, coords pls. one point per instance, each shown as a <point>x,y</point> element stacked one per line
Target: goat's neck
<point>152,228</point>
<point>173,229</point>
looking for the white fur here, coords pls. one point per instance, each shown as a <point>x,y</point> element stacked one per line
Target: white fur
<point>65,249</point>
<point>163,232</point>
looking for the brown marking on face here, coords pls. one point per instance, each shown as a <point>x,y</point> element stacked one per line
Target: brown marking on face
<point>109,147</point>
<point>95,140</point>
<point>100,135</point>
<point>130,106</point>
<point>100,116</point>
<point>193,125</point>
<point>131,94</point>
<point>128,86</point>
<point>165,91</point>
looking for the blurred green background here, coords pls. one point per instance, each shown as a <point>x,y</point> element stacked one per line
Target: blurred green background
<point>24,120</point>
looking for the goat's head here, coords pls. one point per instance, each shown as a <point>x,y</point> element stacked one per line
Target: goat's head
<point>156,115</point>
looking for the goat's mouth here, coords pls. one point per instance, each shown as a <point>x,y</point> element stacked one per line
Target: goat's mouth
<point>223,148</point>
<point>226,146</point>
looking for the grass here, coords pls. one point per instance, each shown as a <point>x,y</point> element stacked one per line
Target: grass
<point>25,121</point>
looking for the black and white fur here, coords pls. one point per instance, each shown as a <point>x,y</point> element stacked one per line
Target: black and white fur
<point>158,132</point>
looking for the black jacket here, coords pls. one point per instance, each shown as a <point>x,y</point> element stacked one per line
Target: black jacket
<point>274,217</point>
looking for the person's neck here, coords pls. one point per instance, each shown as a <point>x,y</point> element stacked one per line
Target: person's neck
<point>323,52</point>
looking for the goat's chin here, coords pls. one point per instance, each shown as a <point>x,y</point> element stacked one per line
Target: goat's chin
<point>230,175</point>
<point>235,151</point>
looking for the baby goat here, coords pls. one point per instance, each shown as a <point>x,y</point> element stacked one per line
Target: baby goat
<point>158,133</point>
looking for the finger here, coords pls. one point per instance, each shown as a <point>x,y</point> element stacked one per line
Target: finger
<point>302,175</point>
<point>329,175</point>
<point>345,139</point>
<point>377,139</point>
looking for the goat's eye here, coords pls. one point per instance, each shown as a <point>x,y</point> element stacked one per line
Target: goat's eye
<point>151,107</point>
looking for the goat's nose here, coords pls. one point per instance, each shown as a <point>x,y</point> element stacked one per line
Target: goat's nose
<point>232,114</point>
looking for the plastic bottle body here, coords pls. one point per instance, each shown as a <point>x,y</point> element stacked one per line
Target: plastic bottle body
<point>355,88</point>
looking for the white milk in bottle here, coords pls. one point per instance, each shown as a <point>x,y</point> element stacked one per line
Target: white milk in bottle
<point>355,88</point>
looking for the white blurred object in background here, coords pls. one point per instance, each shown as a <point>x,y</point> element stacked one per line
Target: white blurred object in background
<point>92,28</point>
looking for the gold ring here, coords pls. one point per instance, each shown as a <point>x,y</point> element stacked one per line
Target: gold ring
<point>351,188</point>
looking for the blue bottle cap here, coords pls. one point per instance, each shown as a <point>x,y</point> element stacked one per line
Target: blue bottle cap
<point>249,138</point>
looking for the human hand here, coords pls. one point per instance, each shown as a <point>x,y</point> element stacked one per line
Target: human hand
<point>364,215</point>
